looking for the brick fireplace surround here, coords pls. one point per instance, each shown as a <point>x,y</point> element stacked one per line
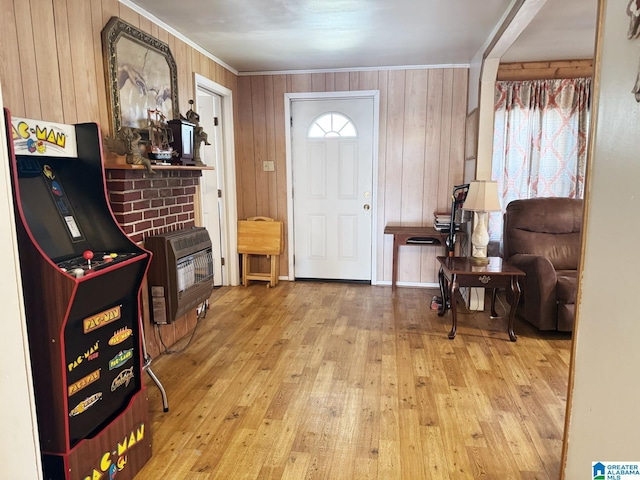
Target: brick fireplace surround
<point>147,204</point>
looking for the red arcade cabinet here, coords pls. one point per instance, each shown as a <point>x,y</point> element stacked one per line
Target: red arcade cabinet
<point>81,277</point>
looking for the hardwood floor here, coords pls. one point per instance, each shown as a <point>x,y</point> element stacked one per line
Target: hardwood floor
<point>341,381</point>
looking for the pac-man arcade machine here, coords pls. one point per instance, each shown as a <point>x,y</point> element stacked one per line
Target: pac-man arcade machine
<point>81,278</point>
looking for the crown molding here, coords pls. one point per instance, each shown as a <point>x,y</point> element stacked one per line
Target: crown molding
<point>354,69</point>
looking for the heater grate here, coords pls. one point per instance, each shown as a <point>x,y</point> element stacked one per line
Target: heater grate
<point>194,269</point>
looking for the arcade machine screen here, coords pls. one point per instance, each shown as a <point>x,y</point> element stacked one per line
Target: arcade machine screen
<point>60,226</point>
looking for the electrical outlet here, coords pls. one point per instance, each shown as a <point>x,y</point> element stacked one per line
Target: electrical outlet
<point>268,166</point>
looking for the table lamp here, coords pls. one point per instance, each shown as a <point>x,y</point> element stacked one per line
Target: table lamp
<point>481,198</point>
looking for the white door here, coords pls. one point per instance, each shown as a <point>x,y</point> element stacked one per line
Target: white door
<point>209,108</point>
<point>332,168</point>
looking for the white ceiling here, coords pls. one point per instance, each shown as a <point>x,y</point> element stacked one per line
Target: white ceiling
<point>562,30</point>
<point>286,35</point>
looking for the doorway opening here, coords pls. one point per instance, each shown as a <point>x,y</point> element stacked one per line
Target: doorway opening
<point>218,203</point>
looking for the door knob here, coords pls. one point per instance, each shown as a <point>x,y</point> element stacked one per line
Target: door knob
<point>366,206</point>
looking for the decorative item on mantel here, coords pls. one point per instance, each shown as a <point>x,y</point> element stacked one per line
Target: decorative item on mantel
<point>127,142</point>
<point>159,148</point>
<point>198,133</point>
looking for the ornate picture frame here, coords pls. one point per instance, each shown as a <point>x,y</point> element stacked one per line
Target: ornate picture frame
<point>471,135</point>
<point>141,74</point>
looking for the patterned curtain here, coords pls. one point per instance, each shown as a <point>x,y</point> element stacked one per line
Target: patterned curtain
<point>540,140</point>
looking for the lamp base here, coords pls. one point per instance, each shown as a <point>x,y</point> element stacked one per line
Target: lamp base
<point>478,260</point>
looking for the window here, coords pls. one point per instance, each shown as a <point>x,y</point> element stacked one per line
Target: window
<point>332,124</point>
<point>540,141</point>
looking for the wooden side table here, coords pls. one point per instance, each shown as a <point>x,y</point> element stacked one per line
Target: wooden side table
<point>458,272</point>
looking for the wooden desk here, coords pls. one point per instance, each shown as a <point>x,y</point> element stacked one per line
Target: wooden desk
<point>459,272</point>
<point>419,236</point>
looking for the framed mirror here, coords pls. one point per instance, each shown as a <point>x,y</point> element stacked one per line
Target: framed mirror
<point>140,73</point>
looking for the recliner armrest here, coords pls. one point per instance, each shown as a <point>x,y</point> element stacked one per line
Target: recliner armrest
<point>534,266</point>
<point>539,289</point>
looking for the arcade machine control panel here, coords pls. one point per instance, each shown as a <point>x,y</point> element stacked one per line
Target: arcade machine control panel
<point>91,262</point>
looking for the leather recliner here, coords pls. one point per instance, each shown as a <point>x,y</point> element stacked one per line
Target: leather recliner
<point>542,237</point>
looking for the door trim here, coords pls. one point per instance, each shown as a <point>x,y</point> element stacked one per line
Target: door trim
<point>229,201</point>
<point>288,98</point>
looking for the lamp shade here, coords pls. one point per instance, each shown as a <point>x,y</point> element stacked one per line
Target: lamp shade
<point>482,197</point>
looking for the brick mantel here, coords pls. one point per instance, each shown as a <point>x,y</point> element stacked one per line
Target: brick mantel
<point>147,204</point>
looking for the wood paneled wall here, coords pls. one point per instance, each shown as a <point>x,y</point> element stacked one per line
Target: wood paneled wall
<point>51,68</point>
<point>51,63</point>
<point>420,157</point>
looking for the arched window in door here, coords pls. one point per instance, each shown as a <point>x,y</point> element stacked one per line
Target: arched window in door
<point>332,124</point>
